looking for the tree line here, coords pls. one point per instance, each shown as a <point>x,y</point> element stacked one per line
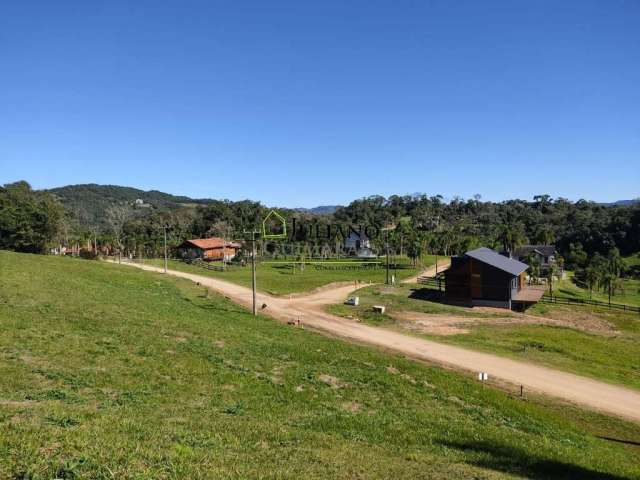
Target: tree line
<point>582,231</point>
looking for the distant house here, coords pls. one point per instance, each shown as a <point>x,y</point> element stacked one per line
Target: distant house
<point>72,250</point>
<point>208,249</point>
<point>358,244</point>
<point>546,255</point>
<point>483,277</point>
<point>139,203</point>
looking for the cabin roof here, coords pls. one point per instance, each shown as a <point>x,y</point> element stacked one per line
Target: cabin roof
<point>493,258</point>
<point>545,250</point>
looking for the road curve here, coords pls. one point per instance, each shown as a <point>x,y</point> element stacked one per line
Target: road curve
<point>601,396</point>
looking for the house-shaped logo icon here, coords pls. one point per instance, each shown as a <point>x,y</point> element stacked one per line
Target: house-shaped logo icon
<point>274,225</point>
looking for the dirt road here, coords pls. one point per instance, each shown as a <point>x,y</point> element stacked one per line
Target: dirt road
<point>308,309</point>
<point>442,265</point>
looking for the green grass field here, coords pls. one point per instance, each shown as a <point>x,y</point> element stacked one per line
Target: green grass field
<point>111,372</point>
<point>281,279</point>
<point>630,293</point>
<point>613,358</point>
<point>632,260</point>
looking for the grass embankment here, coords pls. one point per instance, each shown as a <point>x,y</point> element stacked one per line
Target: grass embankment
<point>401,298</point>
<point>281,279</point>
<point>608,357</point>
<point>112,372</point>
<point>601,343</point>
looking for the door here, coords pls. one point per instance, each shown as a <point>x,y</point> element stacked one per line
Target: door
<point>476,279</point>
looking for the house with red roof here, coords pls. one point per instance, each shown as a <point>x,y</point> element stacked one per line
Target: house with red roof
<point>208,249</point>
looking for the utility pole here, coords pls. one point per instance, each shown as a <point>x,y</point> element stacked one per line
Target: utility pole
<point>253,268</point>
<point>164,228</point>
<point>387,255</point>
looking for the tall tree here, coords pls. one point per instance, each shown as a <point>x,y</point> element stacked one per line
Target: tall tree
<point>414,249</point>
<point>117,216</point>
<point>30,221</point>
<point>511,235</point>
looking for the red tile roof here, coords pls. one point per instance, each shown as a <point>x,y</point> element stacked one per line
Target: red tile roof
<point>209,243</point>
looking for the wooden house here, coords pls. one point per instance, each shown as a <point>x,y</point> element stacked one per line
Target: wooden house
<point>208,249</point>
<point>483,277</point>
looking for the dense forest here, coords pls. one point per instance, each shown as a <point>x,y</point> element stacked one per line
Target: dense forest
<point>120,218</point>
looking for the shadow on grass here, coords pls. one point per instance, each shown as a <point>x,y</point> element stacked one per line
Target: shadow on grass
<point>618,440</point>
<point>518,462</point>
<point>435,296</point>
<point>429,294</point>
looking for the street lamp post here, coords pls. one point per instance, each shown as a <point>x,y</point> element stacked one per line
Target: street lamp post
<point>253,269</point>
<point>164,228</point>
<point>387,254</point>
<point>386,247</point>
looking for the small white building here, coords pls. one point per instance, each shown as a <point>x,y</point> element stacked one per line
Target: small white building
<point>359,244</point>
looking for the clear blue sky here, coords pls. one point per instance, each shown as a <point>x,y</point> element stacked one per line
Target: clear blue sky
<point>299,103</point>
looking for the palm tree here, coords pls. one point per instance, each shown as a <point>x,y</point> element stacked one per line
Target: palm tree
<point>535,267</point>
<point>591,278</point>
<point>545,235</point>
<point>414,249</point>
<point>511,235</point>
<point>610,282</point>
<point>616,262</point>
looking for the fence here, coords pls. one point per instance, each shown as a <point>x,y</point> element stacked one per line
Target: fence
<point>438,283</point>
<point>328,265</point>
<point>209,266</point>
<point>547,298</point>
<point>347,266</point>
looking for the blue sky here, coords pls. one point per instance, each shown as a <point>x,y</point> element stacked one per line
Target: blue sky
<point>307,103</point>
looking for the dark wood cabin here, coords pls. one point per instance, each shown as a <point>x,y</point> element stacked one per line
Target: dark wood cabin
<point>208,249</point>
<point>483,277</point>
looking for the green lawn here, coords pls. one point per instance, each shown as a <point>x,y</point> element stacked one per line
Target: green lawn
<point>400,298</point>
<point>281,279</point>
<point>630,293</point>
<point>112,372</point>
<point>632,260</point>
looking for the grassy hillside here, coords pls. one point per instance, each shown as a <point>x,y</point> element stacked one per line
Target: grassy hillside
<point>111,372</point>
<point>281,279</point>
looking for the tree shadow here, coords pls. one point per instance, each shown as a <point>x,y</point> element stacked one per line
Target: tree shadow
<point>513,460</point>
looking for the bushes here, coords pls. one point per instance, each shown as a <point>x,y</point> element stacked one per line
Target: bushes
<point>88,255</point>
<point>29,220</point>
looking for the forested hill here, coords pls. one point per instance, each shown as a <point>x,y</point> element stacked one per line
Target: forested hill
<point>89,202</point>
<point>321,210</point>
<point>34,220</point>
